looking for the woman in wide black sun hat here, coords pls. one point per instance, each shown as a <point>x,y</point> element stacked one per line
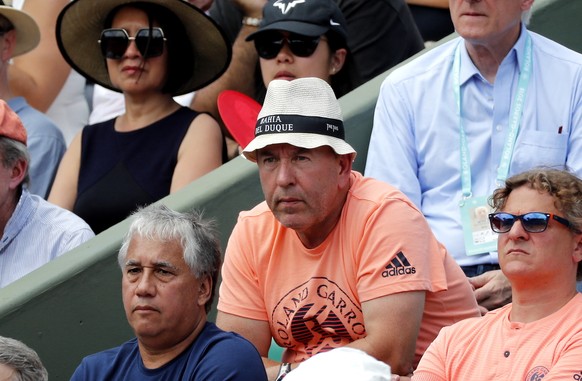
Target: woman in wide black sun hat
<point>150,51</point>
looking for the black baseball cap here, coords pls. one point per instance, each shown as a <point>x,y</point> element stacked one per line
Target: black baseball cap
<point>306,17</point>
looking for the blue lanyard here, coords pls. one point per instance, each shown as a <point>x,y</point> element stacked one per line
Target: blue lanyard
<point>514,120</point>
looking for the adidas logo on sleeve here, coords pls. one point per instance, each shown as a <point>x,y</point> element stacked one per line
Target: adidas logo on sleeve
<point>399,265</point>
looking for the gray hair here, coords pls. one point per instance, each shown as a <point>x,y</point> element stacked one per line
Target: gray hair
<point>24,360</point>
<point>197,236</point>
<point>12,151</point>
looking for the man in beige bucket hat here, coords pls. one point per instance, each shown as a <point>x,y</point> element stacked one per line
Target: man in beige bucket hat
<point>332,258</point>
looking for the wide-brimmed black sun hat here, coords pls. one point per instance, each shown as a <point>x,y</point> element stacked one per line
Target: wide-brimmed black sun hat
<point>81,22</point>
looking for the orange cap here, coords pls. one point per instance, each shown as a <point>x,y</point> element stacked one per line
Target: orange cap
<point>10,124</point>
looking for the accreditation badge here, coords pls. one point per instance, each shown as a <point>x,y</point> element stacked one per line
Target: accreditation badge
<point>477,233</point>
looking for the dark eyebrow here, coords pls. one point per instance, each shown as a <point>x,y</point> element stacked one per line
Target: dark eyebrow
<point>159,264</point>
<point>264,152</point>
<point>301,151</point>
<point>296,151</point>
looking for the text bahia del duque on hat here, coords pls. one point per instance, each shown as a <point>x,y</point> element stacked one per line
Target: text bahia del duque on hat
<point>304,113</point>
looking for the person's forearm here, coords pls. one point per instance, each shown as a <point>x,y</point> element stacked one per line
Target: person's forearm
<point>240,75</point>
<point>273,367</point>
<point>40,74</point>
<point>400,363</point>
<point>272,371</point>
<point>430,3</point>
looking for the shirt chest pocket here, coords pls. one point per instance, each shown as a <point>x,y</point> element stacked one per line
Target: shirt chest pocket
<point>539,148</point>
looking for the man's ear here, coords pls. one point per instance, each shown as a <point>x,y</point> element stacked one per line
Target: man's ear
<point>346,162</point>
<point>526,4</point>
<point>345,170</point>
<point>577,253</point>
<point>18,173</point>
<point>204,290</point>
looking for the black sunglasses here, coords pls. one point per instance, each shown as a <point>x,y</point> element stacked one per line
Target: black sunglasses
<point>533,222</point>
<point>149,42</point>
<point>268,45</point>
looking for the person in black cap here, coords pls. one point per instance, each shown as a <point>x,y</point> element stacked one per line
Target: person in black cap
<point>380,34</point>
<point>296,40</point>
<point>305,39</point>
<point>150,51</point>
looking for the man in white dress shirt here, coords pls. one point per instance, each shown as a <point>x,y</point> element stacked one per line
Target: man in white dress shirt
<point>457,121</point>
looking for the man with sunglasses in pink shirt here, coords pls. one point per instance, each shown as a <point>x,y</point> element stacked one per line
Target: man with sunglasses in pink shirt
<point>539,335</point>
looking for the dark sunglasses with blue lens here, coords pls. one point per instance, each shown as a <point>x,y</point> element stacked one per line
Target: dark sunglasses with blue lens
<point>149,42</point>
<point>533,222</point>
<point>269,44</point>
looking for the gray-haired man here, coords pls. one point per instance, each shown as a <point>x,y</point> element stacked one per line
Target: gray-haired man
<point>19,362</point>
<point>170,263</point>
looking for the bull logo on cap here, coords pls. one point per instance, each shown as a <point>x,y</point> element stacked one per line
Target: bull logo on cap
<point>286,5</point>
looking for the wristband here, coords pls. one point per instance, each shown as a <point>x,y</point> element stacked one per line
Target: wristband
<point>284,369</point>
<point>251,21</point>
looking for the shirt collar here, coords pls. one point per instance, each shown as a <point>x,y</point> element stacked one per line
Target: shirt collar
<point>19,218</point>
<point>17,104</point>
<point>515,55</point>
